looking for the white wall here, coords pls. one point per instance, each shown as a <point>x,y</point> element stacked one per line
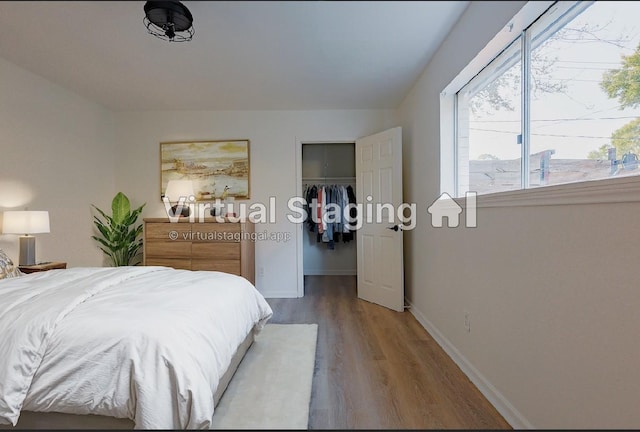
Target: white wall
<point>552,291</point>
<point>56,154</point>
<point>273,136</point>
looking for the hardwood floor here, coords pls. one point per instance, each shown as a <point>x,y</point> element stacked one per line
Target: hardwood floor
<point>376,368</point>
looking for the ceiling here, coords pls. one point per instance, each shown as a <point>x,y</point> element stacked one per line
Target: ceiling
<point>245,55</point>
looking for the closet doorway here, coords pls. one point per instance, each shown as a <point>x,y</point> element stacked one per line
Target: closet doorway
<point>328,167</point>
<point>377,167</point>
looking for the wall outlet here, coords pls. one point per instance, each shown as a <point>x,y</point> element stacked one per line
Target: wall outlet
<point>467,322</point>
<point>260,271</point>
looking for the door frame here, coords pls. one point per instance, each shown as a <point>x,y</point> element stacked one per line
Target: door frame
<point>300,228</point>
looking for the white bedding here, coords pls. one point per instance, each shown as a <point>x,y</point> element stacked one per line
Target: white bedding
<point>145,343</point>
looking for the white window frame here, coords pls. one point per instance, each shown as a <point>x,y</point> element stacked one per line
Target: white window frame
<point>612,190</point>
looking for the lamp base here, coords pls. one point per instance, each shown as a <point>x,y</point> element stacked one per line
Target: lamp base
<point>27,250</point>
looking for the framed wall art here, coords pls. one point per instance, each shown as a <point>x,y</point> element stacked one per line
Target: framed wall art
<point>218,169</point>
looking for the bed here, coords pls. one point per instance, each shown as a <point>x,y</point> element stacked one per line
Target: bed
<point>143,347</point>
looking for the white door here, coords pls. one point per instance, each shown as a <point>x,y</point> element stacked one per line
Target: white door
<point>379,182</point>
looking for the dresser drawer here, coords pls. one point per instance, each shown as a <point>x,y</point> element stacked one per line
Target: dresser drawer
<point>227,266</point>
<point>173,232</point>
<point>215,232</point>
<point>167,249</point>
<point>215,251</point>
<point>183,264</point>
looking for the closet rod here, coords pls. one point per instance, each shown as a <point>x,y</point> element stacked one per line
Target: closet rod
<point>333,179</point>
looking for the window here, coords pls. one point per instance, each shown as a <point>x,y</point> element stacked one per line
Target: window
<point>488,157</point>
<point>560,104</point>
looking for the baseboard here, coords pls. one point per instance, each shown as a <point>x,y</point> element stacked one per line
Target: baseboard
<point>322,272</point>
<point>497,399</point>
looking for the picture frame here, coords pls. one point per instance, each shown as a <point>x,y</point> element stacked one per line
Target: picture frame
<point>213,166</point>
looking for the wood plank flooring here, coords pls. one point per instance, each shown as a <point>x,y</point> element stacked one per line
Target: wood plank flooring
<point>379,369</point>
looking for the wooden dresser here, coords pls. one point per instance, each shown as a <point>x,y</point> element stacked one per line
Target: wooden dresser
<point>208,245</point>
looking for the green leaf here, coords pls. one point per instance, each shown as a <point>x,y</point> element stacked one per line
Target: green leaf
<point>104,215</point>
<point>119,235</point>
<point>105,243</point>
<point>121,208</point>
<point>104,231</point>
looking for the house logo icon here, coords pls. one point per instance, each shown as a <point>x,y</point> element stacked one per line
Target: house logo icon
<point>446,207</point>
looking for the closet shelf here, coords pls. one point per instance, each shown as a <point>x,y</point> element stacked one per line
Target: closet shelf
<point>330,179</point>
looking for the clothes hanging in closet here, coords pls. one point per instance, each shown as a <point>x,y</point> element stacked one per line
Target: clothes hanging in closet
<point>336,199</point>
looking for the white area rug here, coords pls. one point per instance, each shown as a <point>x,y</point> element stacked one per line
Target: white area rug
<point>272,387</point>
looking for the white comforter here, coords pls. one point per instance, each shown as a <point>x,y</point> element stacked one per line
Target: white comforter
<point>145,343</point>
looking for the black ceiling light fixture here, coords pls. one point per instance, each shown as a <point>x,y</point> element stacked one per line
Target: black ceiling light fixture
<point>169,20</point>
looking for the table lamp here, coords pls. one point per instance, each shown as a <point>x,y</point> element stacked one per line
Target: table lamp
<point>26,223</point>
<point>177,189</point>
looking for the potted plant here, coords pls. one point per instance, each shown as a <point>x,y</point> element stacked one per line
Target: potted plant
<point>120,235</point>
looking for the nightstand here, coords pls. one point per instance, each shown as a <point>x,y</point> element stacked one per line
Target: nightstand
<point>43,267</point>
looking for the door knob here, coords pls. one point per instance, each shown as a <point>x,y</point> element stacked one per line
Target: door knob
<point>395,228</point>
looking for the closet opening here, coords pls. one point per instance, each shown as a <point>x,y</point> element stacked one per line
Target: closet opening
<point>329,177</point>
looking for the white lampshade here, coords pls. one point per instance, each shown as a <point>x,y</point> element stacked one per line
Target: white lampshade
<point>25,222</point>
<point>179,188</point>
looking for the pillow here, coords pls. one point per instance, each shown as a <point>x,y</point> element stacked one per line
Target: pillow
<point>7,269</point>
